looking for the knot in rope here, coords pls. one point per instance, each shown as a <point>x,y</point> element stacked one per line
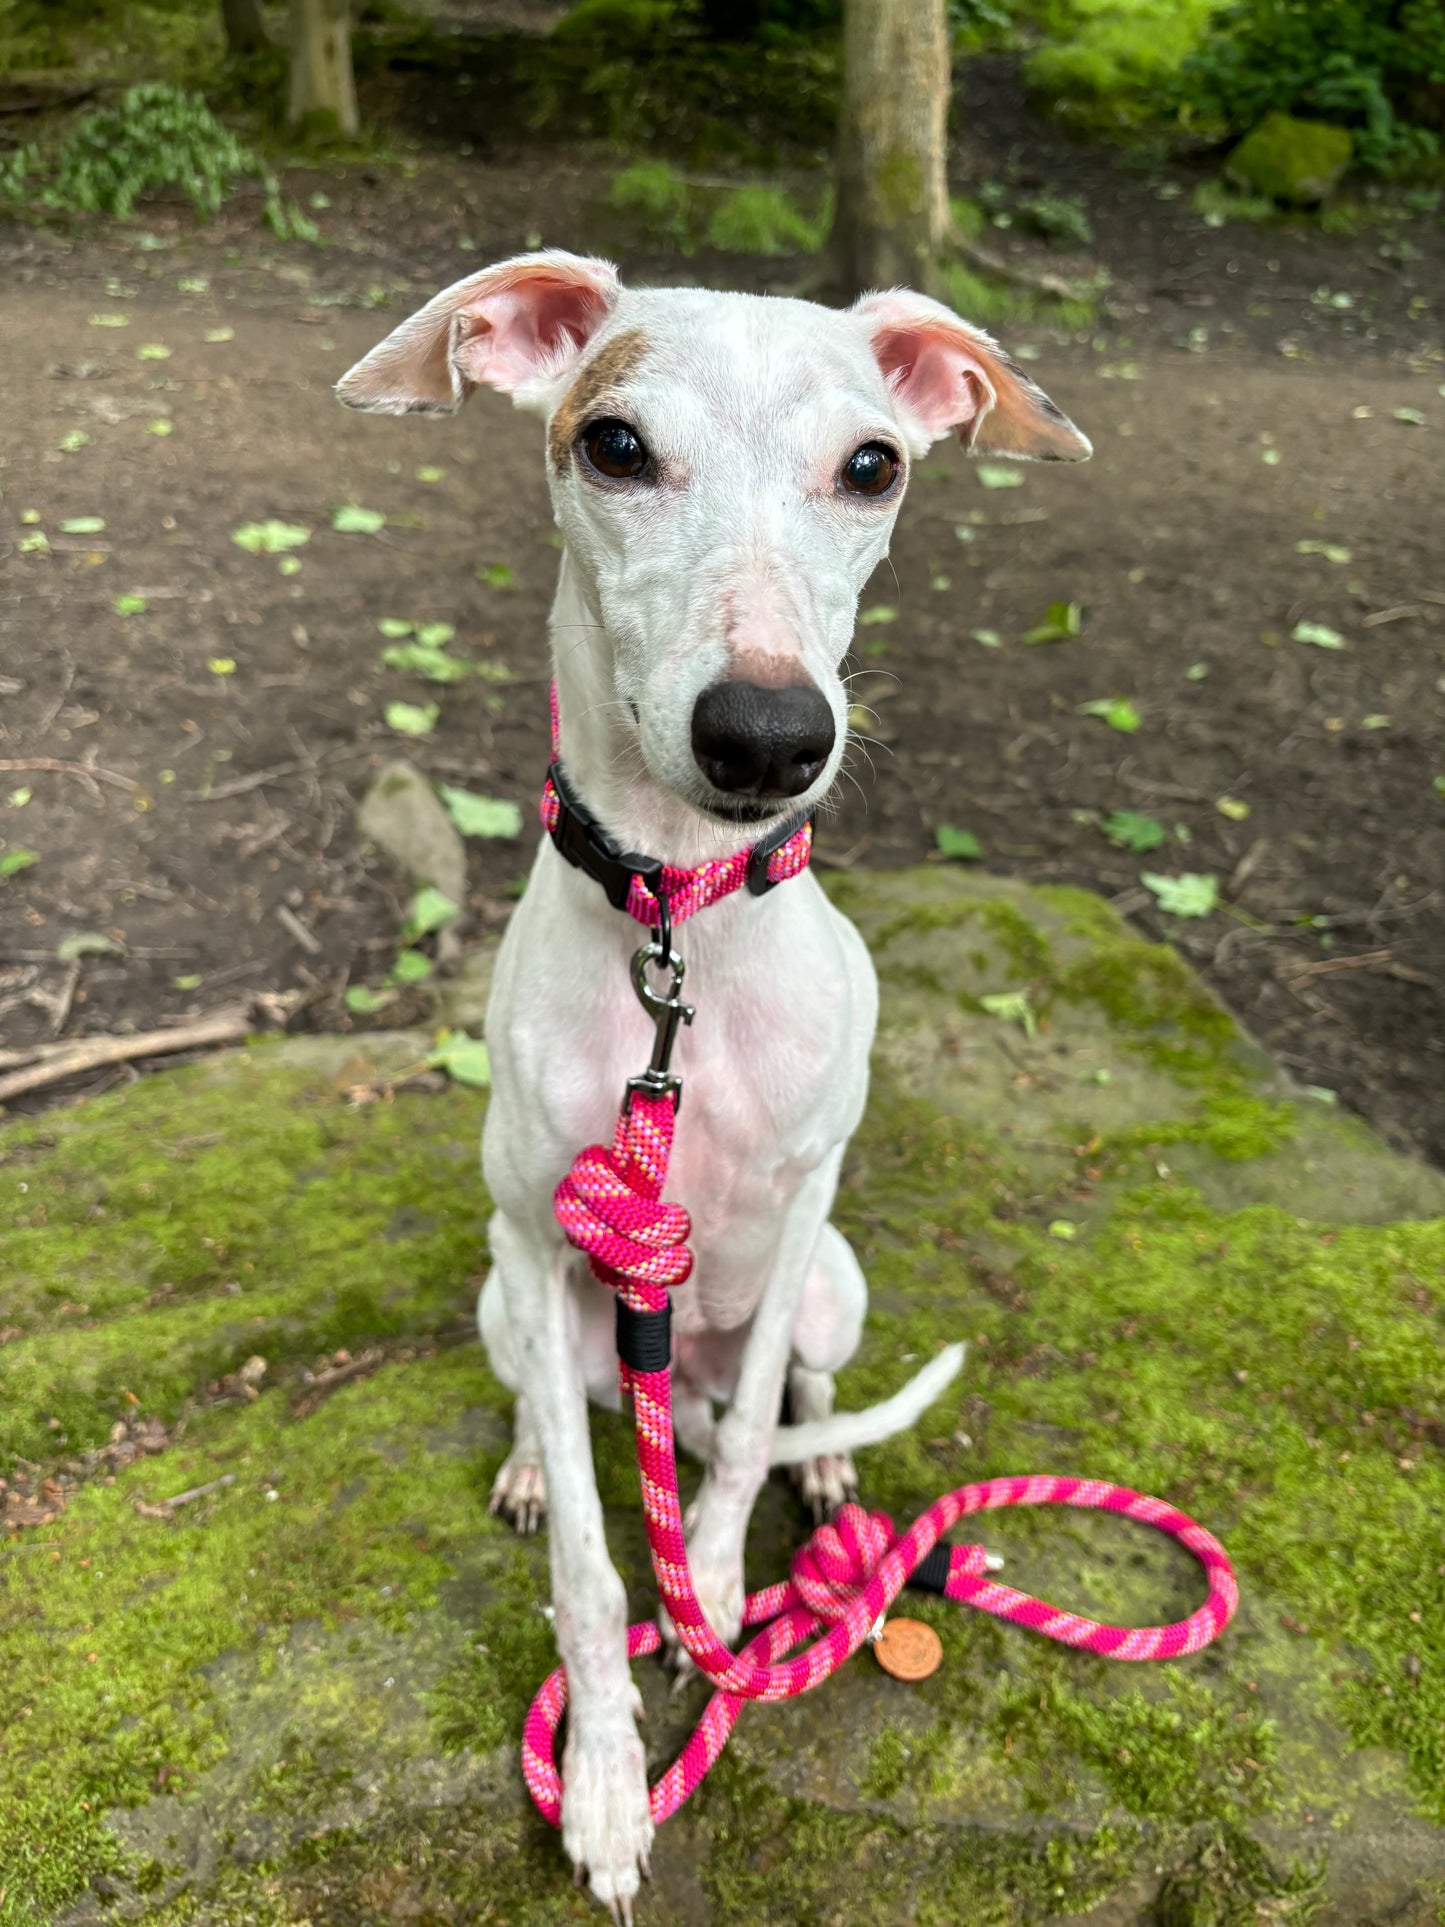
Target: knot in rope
<point>608,1206</point>
<point>834,1566</point>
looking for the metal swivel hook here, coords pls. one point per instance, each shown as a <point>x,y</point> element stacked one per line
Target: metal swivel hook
<point>667,1013</point>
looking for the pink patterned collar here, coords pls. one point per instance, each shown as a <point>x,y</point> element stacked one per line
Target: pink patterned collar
<point>653,892</point>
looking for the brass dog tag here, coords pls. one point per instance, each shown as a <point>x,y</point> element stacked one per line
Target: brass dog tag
<point>908,1649</point>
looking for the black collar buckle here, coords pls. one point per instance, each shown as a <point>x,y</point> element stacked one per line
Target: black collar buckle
<point>759,882</point>
<point>587,847</point>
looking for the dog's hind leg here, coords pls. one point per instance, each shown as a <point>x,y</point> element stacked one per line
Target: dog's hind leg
<point>825,1337</point>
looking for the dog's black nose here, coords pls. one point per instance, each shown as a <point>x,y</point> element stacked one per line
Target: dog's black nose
<point>752,741</point>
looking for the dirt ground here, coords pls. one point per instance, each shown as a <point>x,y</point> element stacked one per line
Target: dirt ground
<point>186,774</point>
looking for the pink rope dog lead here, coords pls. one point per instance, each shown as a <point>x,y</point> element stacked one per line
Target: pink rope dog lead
<point>610,1206</point>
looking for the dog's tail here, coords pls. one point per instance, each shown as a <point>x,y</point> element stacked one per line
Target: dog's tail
<point>846,1431</point>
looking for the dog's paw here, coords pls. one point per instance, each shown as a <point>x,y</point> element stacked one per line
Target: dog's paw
<point>721,1598</point>
<point>606,1823</point>
<point>520,1491</point>
<point>826,1484</point>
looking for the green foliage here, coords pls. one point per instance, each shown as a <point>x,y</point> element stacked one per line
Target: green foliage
<point>1375,66</point>
<point>1113,54</point>
<point>658,196</point>
<point>752,219</point>
<point>155,138</point>
<point>763,220</point>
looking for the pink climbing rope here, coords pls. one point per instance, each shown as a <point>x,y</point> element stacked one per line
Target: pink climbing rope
<point>610,1206</point>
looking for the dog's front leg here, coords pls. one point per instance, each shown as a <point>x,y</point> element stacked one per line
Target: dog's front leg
<point>606,1825</point>
<point>718,1523</point>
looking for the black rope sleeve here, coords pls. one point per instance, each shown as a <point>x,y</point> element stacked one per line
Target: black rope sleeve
<point>932,1575</point>
<point>644,1338</point>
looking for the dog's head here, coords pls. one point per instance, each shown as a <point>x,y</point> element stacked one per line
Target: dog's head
<point>726,471</point>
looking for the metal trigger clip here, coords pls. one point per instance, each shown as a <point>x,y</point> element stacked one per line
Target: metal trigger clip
<point>667,1013</point>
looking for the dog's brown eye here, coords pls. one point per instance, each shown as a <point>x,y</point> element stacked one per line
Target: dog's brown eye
<point>615,450</point>
<point>870,470</point>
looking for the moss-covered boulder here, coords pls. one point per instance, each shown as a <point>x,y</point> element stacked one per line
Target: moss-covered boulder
<point>1296,162</point>
<point>264,1656</point>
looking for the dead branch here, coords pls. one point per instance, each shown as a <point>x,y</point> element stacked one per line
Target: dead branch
<point>56,1063</point>
<point>52,765</point>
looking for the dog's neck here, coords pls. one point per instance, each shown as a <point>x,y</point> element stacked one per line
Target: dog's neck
<point>601,751</point>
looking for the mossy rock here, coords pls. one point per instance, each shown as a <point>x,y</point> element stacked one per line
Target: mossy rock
<point>1296,162</point>
<point>297,1695</point>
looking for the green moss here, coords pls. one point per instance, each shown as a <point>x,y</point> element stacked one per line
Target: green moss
<point>1021,941</point>
<point>327,1685</point>
<point>188,1224</point>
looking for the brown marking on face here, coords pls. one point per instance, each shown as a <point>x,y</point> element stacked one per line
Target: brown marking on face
<point>768,669</point>
<point>618,356</point>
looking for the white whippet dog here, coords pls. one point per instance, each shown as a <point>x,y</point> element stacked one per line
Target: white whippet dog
<point>725,471</point>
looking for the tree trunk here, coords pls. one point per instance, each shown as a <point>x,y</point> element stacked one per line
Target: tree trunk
<point>245,26</point>
<point>893,216</point>
<point>322,82</point>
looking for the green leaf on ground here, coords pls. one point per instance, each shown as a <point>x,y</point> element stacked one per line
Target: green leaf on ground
<point>1411,417</point>
<point>130,605</point>
<point>219,334</point>
<point>412,719</point>
<point>1011,1007</point>
<point>1331,551</point>
<point>17,799</point>
<point>1233,808</point>
<point>153,351</point>
<point>221,665</point>
<point>1376,721</point>
<point>269,538</point>
<point>435,664</point>
<point>83,525</point>
<point>1440,785</point>
<point>430,474</point>
<point>411,967</point>
<point>395,627</point>
<point>33,544</point>
<point>352,519</point>
<point>995,475</point>
<point>191,981</point>
<point>435,635</point>
<point>110,321</point>
<point>475,815</point>
<point>73,440</point>
<point>160,426</point>
<point>12,862</point>
<point>1064,1228</point>
<point>289,565</point>
<point>497,575</point>
<point>365,1001</point>
<point>463,1058</point>
<point>960,844</point>
<point>1117,711</point>
<point>1189,895</point>
<point>1320,634</point>
<point>988,638</point>
<point>86,943</point>
<point>1060,621</point>
<point>430,910</point>
<point>1132,830</point>
<point>881,612</point>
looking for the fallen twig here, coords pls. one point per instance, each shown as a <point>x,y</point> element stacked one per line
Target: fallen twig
<point>55,1063</point>
<point>996,265</point>
<point>168,1506</point>
<point>294,927</point>
<point>87,772</point>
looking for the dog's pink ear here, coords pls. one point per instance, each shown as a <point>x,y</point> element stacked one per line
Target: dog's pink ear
<point>947,375</point>
<point>523,322</point>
